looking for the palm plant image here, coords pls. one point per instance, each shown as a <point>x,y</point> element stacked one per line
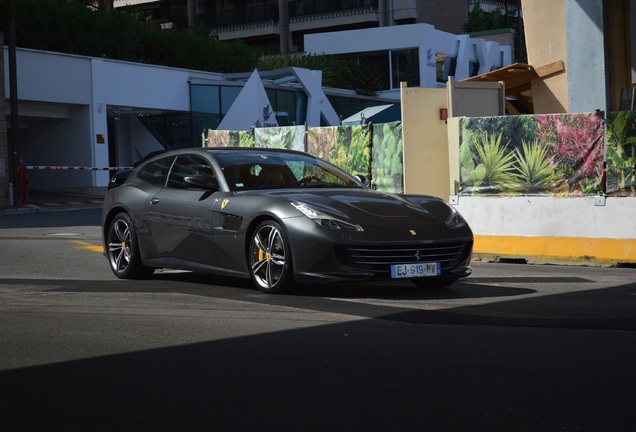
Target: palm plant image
<point>495,164</point>
<point>536,170</point>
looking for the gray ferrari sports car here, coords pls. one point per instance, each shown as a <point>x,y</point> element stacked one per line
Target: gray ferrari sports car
<point>280,217</point>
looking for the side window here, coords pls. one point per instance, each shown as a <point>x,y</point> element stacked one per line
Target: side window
<point>240,176</point>
<point>187,165</point>
<point>156,172</point>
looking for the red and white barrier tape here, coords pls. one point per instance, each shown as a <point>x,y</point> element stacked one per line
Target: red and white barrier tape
<point>77,168</point>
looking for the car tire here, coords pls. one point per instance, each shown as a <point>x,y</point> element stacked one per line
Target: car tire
<point>269,259</point>
<point>123,249</point>
<point>434,283</point>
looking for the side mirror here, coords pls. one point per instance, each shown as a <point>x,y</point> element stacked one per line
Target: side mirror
<point>200,181</point>
<point>362,179</point>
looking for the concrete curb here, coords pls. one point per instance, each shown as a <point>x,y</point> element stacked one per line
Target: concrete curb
<point>21,210</point>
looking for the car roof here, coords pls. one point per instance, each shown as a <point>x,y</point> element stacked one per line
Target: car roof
<point>254,150</point>
<point>240,152</point>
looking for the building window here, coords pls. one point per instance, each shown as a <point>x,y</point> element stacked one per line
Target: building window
<point>393,66</point>
<point>405,67</point>
<point>377,63</point>
<point>228,96</point>
<point>171,130</point>
<point>209,104</point>
<point>290,107</point>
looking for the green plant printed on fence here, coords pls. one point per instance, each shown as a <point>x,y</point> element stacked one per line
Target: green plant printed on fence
<point>621,153</point>
<point>557,154</point>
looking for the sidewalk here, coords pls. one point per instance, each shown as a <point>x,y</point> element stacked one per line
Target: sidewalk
<point>43,201</point>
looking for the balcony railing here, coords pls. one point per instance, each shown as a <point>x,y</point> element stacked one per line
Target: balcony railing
<point>321,7</point>
<point>301,10</point>
<point>244,15</point>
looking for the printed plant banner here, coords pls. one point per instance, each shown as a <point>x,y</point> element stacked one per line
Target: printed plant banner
<point>223,138</point>
<point>290,138</point>
<point>548,154</point>
<point>621,153</point>
<point>387,167</point>
<point>351,148</point>
<point>347,147</point>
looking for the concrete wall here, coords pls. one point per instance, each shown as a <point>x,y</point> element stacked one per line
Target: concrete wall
<point>552,229</point>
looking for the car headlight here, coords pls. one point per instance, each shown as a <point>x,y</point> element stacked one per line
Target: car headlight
<point>454,219</point>
<point>325,220</point>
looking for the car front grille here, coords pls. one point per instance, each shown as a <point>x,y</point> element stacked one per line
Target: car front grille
<point>380,258</point>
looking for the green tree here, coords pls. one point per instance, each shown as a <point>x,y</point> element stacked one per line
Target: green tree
<point>480,19</point>
<point>78,27</point>
<point>336,72</point>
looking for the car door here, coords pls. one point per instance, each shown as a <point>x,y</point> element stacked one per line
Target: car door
<point>180,215</point>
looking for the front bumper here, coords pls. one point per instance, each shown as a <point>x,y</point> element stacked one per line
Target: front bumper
<point>320,255</point>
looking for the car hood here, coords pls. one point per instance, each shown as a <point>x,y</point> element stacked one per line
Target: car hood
<point>373,208</point>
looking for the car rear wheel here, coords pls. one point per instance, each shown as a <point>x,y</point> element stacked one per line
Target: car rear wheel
<point>269,259</point>
<point>123,249</point>
<point>434,283</point>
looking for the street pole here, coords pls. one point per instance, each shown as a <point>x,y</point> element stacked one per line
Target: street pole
<point>14,141</point>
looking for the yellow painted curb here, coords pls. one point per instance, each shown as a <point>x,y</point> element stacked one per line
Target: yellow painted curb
<point>601,250</point>
<point>88,246</point>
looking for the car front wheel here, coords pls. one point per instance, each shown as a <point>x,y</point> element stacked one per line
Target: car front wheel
<point>123,249</point>
<point>269,259</point>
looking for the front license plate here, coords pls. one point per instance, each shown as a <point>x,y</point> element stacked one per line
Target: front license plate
<point>415,270</point>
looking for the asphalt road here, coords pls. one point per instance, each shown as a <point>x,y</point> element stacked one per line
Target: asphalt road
<point>511,348</point>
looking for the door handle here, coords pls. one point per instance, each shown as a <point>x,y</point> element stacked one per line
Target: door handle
<point>154,201</point>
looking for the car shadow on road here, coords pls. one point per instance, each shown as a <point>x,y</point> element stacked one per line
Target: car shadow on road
<point>387,290</point>
<point>406,290</point>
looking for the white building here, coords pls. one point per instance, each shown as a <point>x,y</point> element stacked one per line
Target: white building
<point>417,54</point>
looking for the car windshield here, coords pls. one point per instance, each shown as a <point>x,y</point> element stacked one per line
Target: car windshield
<point>278,170</point>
